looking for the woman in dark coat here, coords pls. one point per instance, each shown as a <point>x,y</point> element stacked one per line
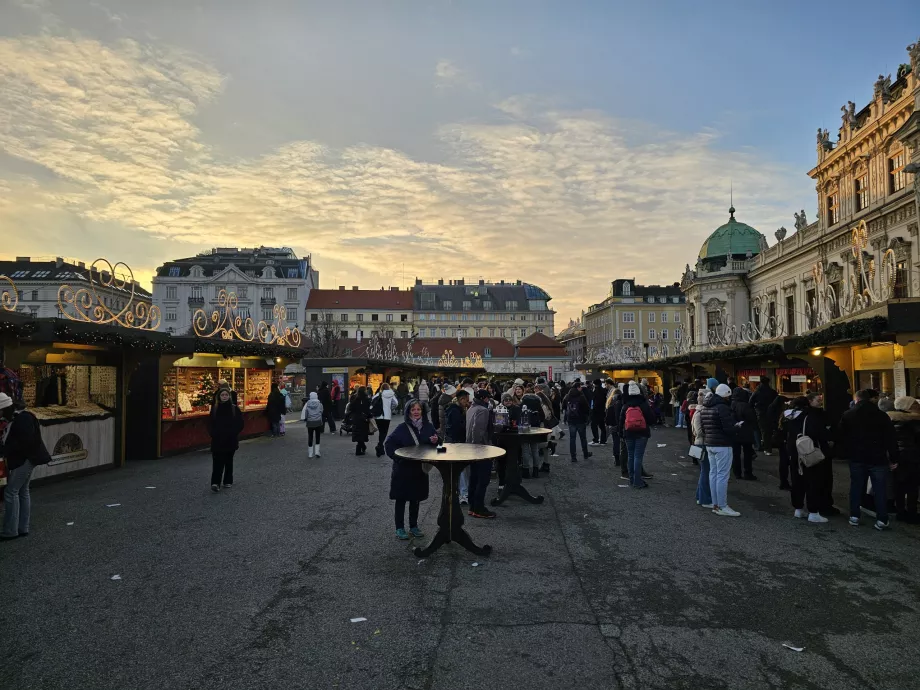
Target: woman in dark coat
<point>408,482</point>
<point>275,409</point>
<point>743,450</point>
<point>224,425</point>
<point>809,488</point>
<point>360,410</point>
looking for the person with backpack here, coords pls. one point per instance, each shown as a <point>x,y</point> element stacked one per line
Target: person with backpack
<point>636,417</point>
<point>720,432</point>
<point>802,422</point>
<point>382,407</point>
<point>577,411</point>
<point>22,446</point>
<point>761,399</point>
<point>312,414</point>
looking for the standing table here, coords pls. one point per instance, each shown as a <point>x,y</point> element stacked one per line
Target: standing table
<point>450,464</point>
<point>513,486</point>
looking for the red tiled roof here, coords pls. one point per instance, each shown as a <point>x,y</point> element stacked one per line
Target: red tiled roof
<point>360,299</point>
<point>538,340</point>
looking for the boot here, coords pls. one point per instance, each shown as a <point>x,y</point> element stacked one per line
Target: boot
<point>316,450</point>
<point>310,452</point>
<point>544,467</point>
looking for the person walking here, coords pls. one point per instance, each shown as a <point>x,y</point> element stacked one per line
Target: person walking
<point>807,488</point>
<point>612,420</point>
<point>762,398</point>
<point>335,396</point>
<point>225,424</point>
<point>312,414</point>
<point>22,446</point>
<point>479,431</point>
<point>869,436</point>
<point>325,397</point>
<point>698,438</point>
<point>577,411</point>
<point>275,410</point>
<point>360,411</point>
<point>743,465</point>
<point>636,419</point>
<point>720,432</point>
<point>408,481</point>
<point>906,421</point>
<point>383,406</point>
<point>598,412</point>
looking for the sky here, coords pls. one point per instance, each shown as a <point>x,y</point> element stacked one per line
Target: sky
<point>565,144</point>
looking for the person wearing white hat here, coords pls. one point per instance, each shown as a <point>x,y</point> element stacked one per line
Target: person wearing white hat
<point>22,446</point>
<point>720,432</point>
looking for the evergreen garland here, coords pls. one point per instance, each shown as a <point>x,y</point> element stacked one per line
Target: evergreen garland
<point>860,329</point>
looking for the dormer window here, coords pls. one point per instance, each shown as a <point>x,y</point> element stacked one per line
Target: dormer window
<point>626,289</point>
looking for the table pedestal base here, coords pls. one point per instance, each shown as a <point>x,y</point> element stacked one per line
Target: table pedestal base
<point>513,486</point>
<point>450,519</point>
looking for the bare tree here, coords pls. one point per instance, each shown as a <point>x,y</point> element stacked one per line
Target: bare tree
<point>325,337</point>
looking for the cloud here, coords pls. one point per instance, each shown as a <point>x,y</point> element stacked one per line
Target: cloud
<point>449,75</point>
<point>566,200</point>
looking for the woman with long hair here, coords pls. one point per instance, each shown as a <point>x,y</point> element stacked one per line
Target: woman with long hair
<point>360,411</point>
<point>224,425</point>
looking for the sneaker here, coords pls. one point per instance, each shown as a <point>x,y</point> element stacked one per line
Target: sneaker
<point>574,459</point>
<point>501,488</point>
<point>882,526</point>
<point>402,534</point>
<point>767,453</point>
<point>799,513</point>
<point>227,486</point>
<point>483,513</point>
<point>854,522</point>
<point>215,487</point>
<point>624,477</point>
<point>816,517</point>
<point>416,532</point>
<point>593,443</point>
<point>707,505</point>
<point>554,455</point>
<point>464,500</point>
<point>727,512</point>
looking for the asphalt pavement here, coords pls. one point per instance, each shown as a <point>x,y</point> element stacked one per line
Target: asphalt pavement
<point>599,587</point>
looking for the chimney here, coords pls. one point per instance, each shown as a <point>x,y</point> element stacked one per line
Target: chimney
<point>482,282</point>
<point>502,283</point>
<point>418,281</point>
<point>354,287</point>
<point>392,289</point>
<point>23,259</point>
<point>341,287</point>
<point>440,281</point>
<point>81,265</point>
<point>58,262</point>
<point>460,282</point>
<point>518,283</point>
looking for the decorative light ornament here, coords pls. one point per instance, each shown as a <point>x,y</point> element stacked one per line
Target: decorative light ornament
<point>85,304</point>
<point>225,322</point>
<point>9,296</point>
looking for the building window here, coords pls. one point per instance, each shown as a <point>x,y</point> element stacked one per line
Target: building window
<point>314,317</point>
<point>662,300</point>
<point>432,332</point>
<point>651,317</point>
<point>900,281</point>
<point>626,289</point>
<point>536,304</point>
<point>539,330</point>
<point>343,317</point>
<point>650,299</point>
<point>174,271</point>
<point>359,334</point>
<point>676,317</point>
<point>268,293</point>
<point>491,332</point>
<point>478,332</point>
<point>463,317</point>
<point>389,317</point>
<point>790,314</point>
<point>405,317</point>
<point>443,332</point>
<point>244,292</point>
<point>292,273</point>
<point>448,305</point>
<point>512,317</point>
<point>629,317</point>
<point>487,304</point>
<point>292,294</point>
<point>504,334</point>
<point>487,352</point>
<point>862,192</point>
<point>404,334</point>
<point>713,320</point>
<point>897,178</point>
<point>375,317</point>
<point>267,315</point>
<point>771,319</point>
<point>462,332</point>
<point>651,334</point>
<point>629,334</point>
<point>171,292</point>
<point>467,305</point>
<point>343,334</point>
<point>523,332</point>
<point>833,212</point>
<point>359,317</point>
<point>389,334</point>
<point>664,317</point>
<point>196,292</point>
<point>664,333</point>
<point>170,315</point>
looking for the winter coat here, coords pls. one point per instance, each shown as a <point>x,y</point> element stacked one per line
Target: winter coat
<point>225,425</point>
<point>24,442</point>
<point>455,418</point>
<point>642,403</point>
<point>388,398</point>
<point>718,422</point>
<point>867,434</point>
<point>599,398</point>
<point>907,431</point>
<point>479,424</point>
<point>615,406</point>
<point>696,426</point>
<point>325,397</point>
<point>808,421</point>
<point>534,408</point>
<point>744,412</point>
<point>360,412</point>
<point>276,406</point>
<point>422,392</point>
<point>312,412</point>
<point>577,414</point>
<point>443,403</point>
<point>762,397</point>
<point>408,482</point>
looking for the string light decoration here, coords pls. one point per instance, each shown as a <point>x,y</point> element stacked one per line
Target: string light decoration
<point>85,304</point>
<point>9,295</point>
<point>225,323</point>
<point>447,360</point>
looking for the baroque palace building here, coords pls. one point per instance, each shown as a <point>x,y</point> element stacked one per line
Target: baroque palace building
<point>834,305</point>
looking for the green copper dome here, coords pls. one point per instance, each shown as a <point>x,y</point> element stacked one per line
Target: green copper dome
<point>733,239</point>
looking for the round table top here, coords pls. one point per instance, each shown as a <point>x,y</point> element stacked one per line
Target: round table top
<point>538,431</point>
<point>456,452</point>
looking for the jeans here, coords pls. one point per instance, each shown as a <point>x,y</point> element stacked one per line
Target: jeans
<point>703,489</point>
<point>465,482</point>
<point>222,467</point>
<point>480,472</point>
<point>599,431</point>
<point>313,434</point>
<point>635,450</point>
<point>578,429</point>
<point>18,501</point>
<point>680,418</point>
<point>720,467</point>
<point>327,417</point>
<point>400,514</point>
<point>859,473</point>
<point>530,456</point>
<point>276,428</point>
<point>615,440</point>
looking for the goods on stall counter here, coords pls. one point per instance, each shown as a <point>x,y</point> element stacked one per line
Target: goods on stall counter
<point>185,403</point>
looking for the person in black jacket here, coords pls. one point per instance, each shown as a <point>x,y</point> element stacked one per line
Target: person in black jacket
<point>869,437</point>
<point>24,450</point>
<point>224,425</point>
<point>720,432</point>
<point>275,409</point>
<point>636,419</point>
<point>360,410</point>
<point>906,420</point>
<point>455,418</point>
<point>761,400</point>
<point>577,411</point>
<point>744,441</point>
<point>808,483</point>
<point>614,406</point>
<point>775,413</point>
<point>325,397</point>
<point>598,410</point>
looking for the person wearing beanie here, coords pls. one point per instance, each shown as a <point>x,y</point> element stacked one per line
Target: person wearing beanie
<point>22,446</point>
<point>720,431</point>
<point>636,419</point>
<point>762,398</point>
<point>712,384</point>
<point>703,487</point>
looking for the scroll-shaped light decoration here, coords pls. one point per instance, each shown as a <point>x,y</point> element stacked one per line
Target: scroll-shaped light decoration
<point>224,321</point>
<point>9,294</point>
<point>448,360</point>
<point>85,303</point>
<point>278,332</point>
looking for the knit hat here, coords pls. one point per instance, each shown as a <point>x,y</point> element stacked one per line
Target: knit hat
<point>904,403</point>
<point>518,382</point>
<point>712,383</point>
<point>450,390</point>
<point>483,394</point>
<point>691,397</point>
<point>5,401</point>
<point>723,391</point>
<point>886,404</point>
<point>634,388</point>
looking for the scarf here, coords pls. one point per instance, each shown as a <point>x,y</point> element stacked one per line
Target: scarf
<point>417,423</point>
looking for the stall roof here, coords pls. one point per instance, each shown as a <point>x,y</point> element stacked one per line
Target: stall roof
<point>366,362</point>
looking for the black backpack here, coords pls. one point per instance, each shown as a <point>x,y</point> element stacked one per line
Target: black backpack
<point>377,406</point>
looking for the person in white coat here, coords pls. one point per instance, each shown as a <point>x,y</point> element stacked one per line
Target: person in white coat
<point>383,406</point>
<point>312,414</point>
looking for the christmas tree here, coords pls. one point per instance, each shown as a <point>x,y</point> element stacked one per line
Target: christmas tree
<point>204,394</point>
